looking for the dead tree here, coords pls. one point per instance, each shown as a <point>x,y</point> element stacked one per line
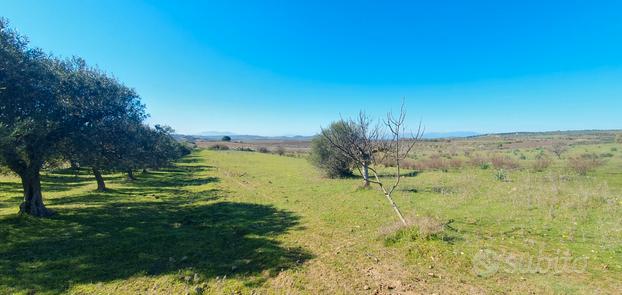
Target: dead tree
<point>558,149</point>
<point>369,145</point>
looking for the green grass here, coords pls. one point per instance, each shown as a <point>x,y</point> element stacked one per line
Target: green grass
<point>226,221</point>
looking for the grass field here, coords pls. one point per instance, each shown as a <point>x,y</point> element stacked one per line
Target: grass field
<point>229,222</point>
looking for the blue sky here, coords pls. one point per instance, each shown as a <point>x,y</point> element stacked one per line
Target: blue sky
<point>283,67</point>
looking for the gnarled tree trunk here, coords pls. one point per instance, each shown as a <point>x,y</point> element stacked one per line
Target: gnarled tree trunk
<point>101,185</point>
<point>33,199</point>
<point>130,175</point>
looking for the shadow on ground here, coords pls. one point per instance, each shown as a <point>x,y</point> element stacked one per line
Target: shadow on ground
<point>121,237</point>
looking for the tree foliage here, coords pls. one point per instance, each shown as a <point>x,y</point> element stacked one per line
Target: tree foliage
<point>33,114</point>
<point>327,157</point>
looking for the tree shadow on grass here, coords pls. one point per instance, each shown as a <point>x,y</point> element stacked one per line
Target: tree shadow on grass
<point>121,240</point>
<point>169,181</point>
<point>49,183</point>
<point>12,187</point>
<point>11,201</point>
<point>160,224</point>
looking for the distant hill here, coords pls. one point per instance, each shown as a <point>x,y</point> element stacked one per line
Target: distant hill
<point>455,134</point>
<point>594,132</point>
<point>216,136</point>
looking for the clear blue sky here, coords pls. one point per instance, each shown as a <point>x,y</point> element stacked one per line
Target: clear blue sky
<point>282,67</point>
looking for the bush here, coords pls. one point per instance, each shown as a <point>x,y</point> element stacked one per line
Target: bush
<point>501,175</point>
<point>541,163</point>
<point>280,151</point>
<point>263,150</point>
<point>455,163</point>
<point>433,163</point>
<point>328,158</point>
<point>408,164</point>
<point>218,147</point>
<point>478,161</point>
<point>584,163</point>
<point>244,149</point>
<point>503,162</point>
<point>186,148</point>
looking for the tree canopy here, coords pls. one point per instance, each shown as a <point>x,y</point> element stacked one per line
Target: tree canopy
<point>329,158</point>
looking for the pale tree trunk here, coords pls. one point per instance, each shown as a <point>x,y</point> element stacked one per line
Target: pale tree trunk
<point>366,174</point>
<point>101,185</point>
<point>33,199</point>
<point>396,209</point>
<point>130,175</point>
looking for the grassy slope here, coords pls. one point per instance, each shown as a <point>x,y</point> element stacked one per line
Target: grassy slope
<point>227,221</point>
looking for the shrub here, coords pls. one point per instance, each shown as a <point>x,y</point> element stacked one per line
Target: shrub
<point>328,158</point>
<point>408,164</point>
<point>478,161</point>
<point>541,163</point>
<point>280,151</point>
<point>424,227</point>
<point>263,150</point>
<point>455,163</point>
<point>433,163</point>
<point>244,149</point>
<point>606,155</point>
<point>501,175</point>
<point>218,147</point>
<point>503,162</point>
<point>226,138</point>
<point>584,163</point>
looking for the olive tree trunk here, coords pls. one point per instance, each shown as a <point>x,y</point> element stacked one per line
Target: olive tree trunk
<point>130,175</point>
<point>101,185</point>
<point>33,199</point>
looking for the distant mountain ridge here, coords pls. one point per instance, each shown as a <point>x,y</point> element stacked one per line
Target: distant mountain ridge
<point>453,134</point>
<point>217,135</point>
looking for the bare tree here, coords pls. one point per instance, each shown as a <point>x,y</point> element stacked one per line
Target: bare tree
<point>558,149</point>
<point>369,144</point>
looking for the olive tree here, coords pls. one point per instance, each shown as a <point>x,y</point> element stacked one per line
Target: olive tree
<point>32,114</point>
<point>52,109</point>
<point>109,107</point>
<point>149,147</point>
<point>327,157</point>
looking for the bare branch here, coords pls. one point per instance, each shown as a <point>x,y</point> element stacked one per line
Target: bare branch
<point>369,144</point>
